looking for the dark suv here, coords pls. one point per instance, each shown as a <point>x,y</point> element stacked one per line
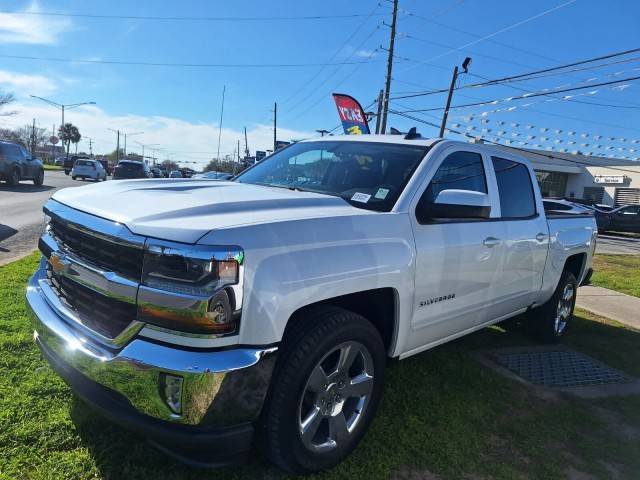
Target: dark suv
<point>131,169</point>
<point>17,164</point>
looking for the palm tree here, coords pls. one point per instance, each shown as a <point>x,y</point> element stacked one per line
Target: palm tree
<point>69,133</point>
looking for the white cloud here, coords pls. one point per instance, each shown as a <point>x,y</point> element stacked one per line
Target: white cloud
<point>21,83</point>
<point>182,140</point>
<point>365,53</point>
<point>32,29</point>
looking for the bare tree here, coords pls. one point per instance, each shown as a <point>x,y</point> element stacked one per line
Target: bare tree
<point>6,99</point>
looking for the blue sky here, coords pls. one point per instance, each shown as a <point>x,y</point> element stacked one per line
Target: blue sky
<point>178,108</point>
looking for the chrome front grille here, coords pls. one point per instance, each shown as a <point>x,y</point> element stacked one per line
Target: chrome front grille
<point>100,313</point>
<point>92,273</point>
<point>99,250</point>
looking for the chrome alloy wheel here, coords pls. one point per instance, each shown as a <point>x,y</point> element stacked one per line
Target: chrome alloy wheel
<point>563,310</point>
<point>335,397</point>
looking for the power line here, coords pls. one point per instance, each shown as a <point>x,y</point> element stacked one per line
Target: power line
<point>525,96</point>
<point>162,64</point>
<point>502,30</point>
<point>345,43</point>
<point>502,80</point>
<point>187,18</point>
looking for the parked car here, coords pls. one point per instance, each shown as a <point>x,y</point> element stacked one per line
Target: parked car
<point>17,164</point>
<point>603,218</point>
<point>175,174</point>
<point>590,203</point>
<point>59,161</point>
<point>271,303</point>
<point>213,176</point>
<point>625,219</point>
<point>70,162</point>
<point>131,169</point>
<point>87,168</point>
<point>156,172</point>
<point>107,166</point>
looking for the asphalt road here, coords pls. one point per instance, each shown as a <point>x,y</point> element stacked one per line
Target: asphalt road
<point>21,219</point>
<point>21,213</point>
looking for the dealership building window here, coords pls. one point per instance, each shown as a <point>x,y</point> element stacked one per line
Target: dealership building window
<point>552,184</point>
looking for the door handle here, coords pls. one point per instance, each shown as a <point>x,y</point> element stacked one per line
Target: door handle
<point>541,237</point>
<point>491,242</point>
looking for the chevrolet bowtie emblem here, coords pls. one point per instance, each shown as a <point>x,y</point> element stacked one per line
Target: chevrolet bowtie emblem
<point>58,263</point>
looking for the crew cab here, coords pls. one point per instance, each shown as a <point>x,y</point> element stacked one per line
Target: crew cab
<point>205,314</point>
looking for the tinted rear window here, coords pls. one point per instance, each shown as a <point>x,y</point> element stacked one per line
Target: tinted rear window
<point>515,189</point>
<point>84,163</point>
<point>129,167</point>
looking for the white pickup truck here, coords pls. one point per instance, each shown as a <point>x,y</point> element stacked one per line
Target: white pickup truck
<point>209,314</point>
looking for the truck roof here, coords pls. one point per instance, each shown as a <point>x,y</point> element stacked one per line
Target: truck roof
<point>395,139</point>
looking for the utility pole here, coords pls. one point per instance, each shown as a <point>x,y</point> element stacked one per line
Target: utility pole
<point>224,89</point>
<point>454,79</point>
<point>387,87</point>
<point>234,167</point>
<point>322,133</point>
<point>33,138</point>
<point>246,144</point>
<point>275,123</point>
<point>118,147</point>
<point>91,147</point>
<point>379,114</point>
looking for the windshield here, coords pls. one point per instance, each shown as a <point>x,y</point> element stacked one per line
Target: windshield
<point>367,175</point>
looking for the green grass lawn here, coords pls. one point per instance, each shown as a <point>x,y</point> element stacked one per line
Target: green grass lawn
<point>443,415</point>
<point>617,272</point>
<point>52,167</point>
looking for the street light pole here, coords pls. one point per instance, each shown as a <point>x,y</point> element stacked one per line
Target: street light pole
<point>62,107</point>
<point>454,78</point>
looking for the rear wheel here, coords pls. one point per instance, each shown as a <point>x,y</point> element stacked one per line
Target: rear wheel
<point>13,178</point>
<point>325,390</point>
<point>73,177</point>
<point>550,322</point>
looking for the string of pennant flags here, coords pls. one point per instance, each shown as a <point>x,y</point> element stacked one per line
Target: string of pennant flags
<point>513,133</point>
<point>549,91</point>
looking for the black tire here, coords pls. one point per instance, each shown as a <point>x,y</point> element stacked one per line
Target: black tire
<point>66,172</point>
<point>39,180</point>
<point>323,331</point>
<point>73,177</point>
<point>546,322</point>
<point>13,179</point>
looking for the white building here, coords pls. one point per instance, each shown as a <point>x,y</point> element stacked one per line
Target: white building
<point>604,180</point>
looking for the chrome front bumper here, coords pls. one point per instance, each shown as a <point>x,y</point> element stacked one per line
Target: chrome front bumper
<point>221,388</point>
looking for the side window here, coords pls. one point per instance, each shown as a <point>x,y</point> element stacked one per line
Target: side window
<point>460,171</point>
<point>514,186</point>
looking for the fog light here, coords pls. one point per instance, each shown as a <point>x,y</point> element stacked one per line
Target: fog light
<point>171,389</point>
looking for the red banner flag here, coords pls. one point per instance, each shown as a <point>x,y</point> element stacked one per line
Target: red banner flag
<point>353,118</point>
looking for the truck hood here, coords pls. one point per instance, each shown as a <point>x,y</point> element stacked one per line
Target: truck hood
<point>184,210</point>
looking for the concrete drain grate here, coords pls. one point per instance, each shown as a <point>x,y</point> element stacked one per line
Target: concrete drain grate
<point>559,369</point>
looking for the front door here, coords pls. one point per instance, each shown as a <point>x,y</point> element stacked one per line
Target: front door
<point>627,219</point>
<point>456,260</point>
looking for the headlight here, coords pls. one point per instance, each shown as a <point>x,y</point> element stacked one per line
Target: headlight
<point>192,289</point>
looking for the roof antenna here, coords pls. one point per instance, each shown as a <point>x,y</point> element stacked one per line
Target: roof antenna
<point>394,131</point>
<point>412,134</point>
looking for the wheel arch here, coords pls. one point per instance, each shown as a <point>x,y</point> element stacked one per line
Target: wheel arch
<point>379,306</point>
<point>575,264</point>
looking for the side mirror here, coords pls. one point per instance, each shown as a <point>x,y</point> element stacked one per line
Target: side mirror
<point>455,204</point>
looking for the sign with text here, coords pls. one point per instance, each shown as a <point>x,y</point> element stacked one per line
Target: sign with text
<point>609,179</point>
<point>353,118</point>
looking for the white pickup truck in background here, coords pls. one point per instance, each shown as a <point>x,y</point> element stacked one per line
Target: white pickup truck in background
<point>199,313</point>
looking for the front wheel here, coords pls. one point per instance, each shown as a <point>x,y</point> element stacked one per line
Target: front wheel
<point>550,322</point>
<point>326,389</point>
<point>39,180</point>
<point>73,177</point>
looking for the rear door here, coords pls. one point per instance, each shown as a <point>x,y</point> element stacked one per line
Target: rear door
<point>627,219</point>
<point>525,234</point>
<point>457,260</point>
